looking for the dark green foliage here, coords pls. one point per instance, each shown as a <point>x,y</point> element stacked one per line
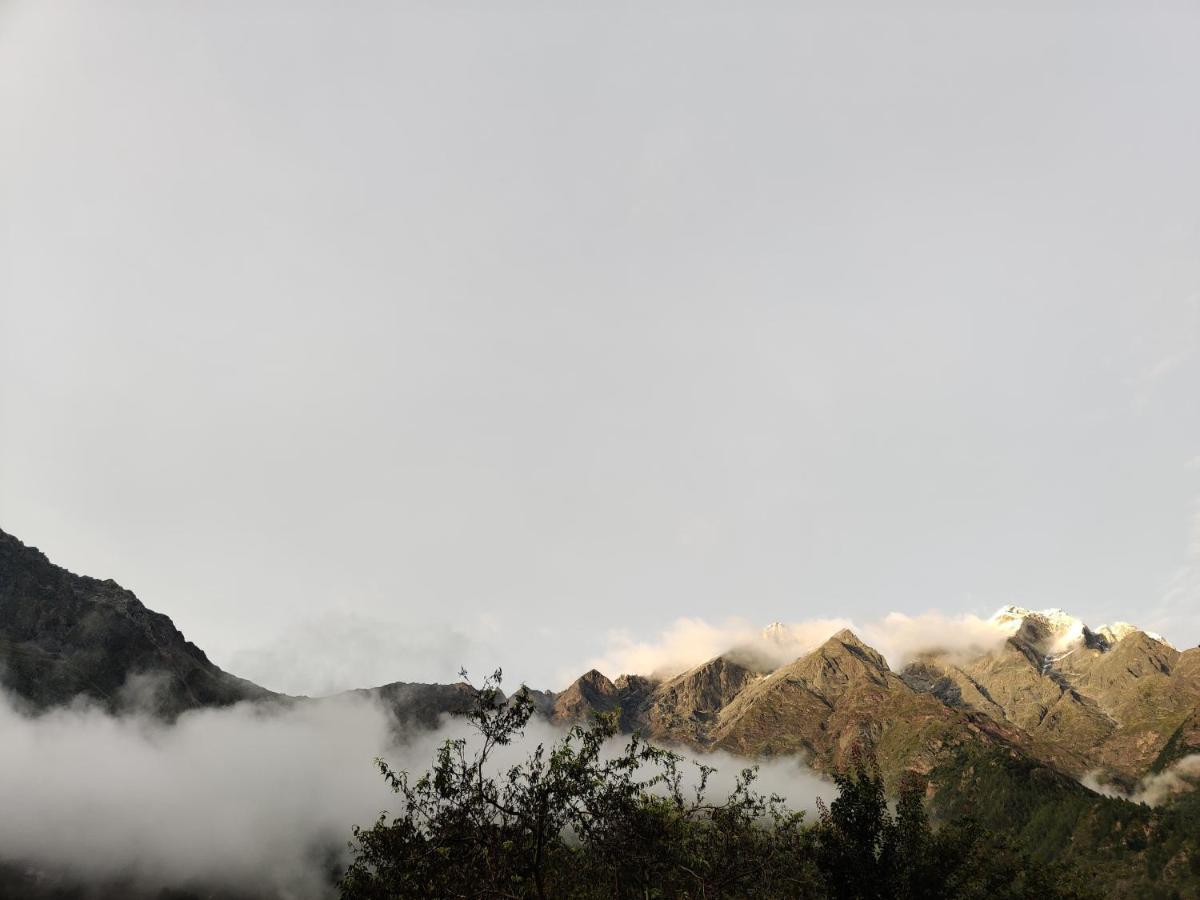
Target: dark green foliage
<point>575,820</point>
<point>1129,849</point>
<point>571,821</point>
<point>1175,749</point>
<point>865,851</point>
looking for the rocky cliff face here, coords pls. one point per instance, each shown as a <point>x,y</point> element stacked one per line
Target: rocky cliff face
<point>64,636</point>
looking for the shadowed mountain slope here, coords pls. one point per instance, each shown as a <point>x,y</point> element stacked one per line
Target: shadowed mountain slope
<point>64,635</point>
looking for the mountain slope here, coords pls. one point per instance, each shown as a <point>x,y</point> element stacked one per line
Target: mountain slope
<point>841,695</point>
<point>1108,699</point>
<point>591,693</point>
<point>64,635</point>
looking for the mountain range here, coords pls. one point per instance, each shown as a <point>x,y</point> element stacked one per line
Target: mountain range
<point>1113,700</point>
<point>1019,723</point>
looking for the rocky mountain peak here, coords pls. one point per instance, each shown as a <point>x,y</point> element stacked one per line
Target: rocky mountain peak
<point>846,636</point>
<point>595,680</point>
<point>590,692</point>
<point>846,641</point>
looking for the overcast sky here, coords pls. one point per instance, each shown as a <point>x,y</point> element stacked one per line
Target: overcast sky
<point>370,339</point>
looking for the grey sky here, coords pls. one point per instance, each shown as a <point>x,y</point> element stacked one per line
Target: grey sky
<point>368,339</point>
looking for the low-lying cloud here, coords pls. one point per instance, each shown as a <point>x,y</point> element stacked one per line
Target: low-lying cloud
<point>688,642</point>
<point>250,798</point>
<point>246,797</point>
<point>1156,788</point>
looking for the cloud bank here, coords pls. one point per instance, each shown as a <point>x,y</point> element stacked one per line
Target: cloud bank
<point>688,642</point>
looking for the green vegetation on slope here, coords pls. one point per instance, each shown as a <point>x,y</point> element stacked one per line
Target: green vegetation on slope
<point>1129,848</point>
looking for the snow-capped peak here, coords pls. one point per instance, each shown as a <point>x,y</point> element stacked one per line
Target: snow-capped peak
<point>1063,632</point>
<point>1056,621</point>
<point>1058,632</point>
<point>1117,630</point>
<point>777,632</point>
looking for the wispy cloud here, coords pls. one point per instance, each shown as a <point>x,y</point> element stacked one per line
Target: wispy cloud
<point>1180,777</point>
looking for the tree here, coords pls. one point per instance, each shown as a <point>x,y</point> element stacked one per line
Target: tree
<point>580,818</point>
<point>589,817</point>
<point>865,852</point>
